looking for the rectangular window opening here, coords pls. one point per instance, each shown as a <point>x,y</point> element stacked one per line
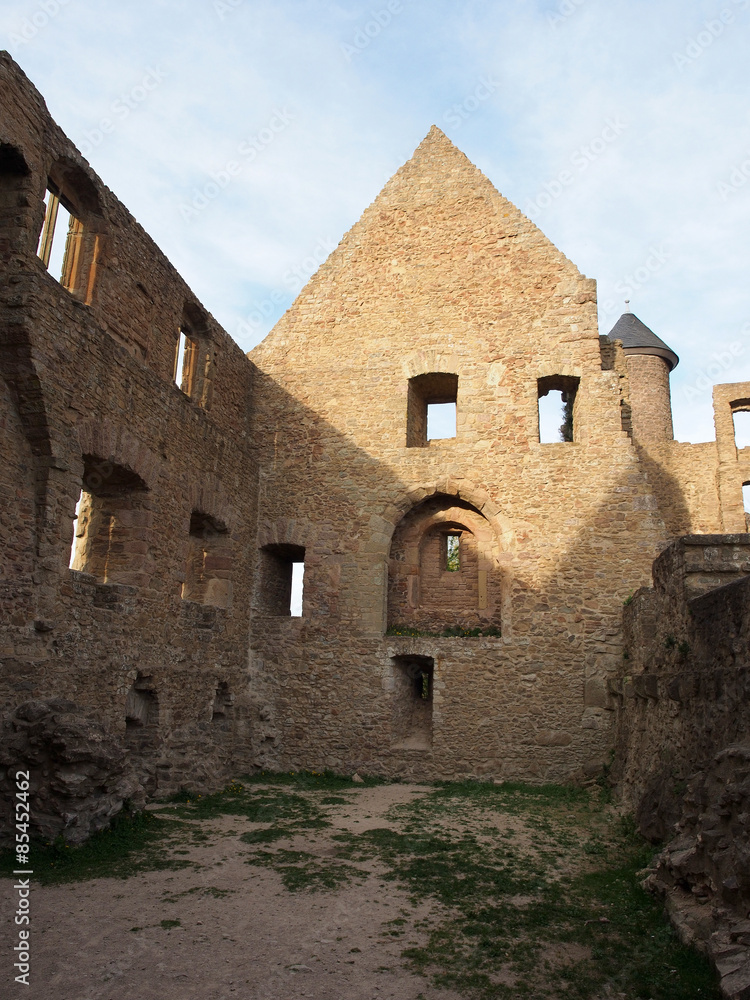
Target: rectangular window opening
<point>186,363</point>
<point>78,533</point>
<point>298,576</point>
<point>741,428</point>
<point>551,417</point>
<point>431,411</point>
<point>281,580</point>
<point>55,241</point>
<point>441,421</point>
<point>556,395</point>
<point>453,553</point>
<point>746,497</point>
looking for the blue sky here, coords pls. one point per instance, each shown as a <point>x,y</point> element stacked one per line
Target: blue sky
<point>247,136</point>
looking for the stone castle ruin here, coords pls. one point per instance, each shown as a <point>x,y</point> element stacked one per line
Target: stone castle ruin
<point>467,604</point>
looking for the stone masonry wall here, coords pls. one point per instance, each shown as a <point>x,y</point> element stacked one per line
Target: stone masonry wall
<point>445,282</point>
<point>685,683</point>
<point>89,400</point>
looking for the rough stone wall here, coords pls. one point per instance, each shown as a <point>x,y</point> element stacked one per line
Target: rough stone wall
<point>648,376</point>
<point>200,493</point>
<point>89,401</point>
<point>684,687</point>
<point>443,276</point>
<point>683,741</point>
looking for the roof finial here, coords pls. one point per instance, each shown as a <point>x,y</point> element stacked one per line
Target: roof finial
<point>627,302</point>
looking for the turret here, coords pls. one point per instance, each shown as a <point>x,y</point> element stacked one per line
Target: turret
<point>649,362</point>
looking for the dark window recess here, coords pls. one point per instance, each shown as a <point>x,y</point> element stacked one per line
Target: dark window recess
<point>431,411</point>
<point>142,715</point>
<point>208,574</point>
<point>276,575</point>
<point>221,711</point>
<point>557,397</point>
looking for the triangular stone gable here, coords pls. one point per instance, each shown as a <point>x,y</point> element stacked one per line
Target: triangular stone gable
<point>439,248</point>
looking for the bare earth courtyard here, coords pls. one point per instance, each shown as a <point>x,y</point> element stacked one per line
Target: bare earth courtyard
<point>309,885</point>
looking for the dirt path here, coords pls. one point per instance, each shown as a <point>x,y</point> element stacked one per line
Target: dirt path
<point>240,933</point>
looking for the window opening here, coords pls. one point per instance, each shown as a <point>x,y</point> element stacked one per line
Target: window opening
<point>452,553</point>
<point>741,428</point>
<point>298,586</point>
<point>112,524</point>
<point>431,413</point>
<point>746,497</point>
<point>281,580</point>
<point>209,563</point>
<point>441,421</point>
<point>60,242</point>
<point>78,533</point>
<point>186,364</point>
<point>557,395</point>
<point>222,706</point>
<point>179,362</point>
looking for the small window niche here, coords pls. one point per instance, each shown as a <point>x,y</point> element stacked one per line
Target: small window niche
<point>193,361</point>
<point>221,710</point>
<point>431,408</point>
<point>413,678</point>
<point>112,525</point>
<point>453,552</point>
<point>69,241</point>
<point>208,574</point>
<point>281,580</point>
<point>142,715</point>
<point>746,503</point>
<point>741,418</point>
<point>557,397</point>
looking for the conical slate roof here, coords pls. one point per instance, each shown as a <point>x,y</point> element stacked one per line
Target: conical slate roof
<point>638,339</point>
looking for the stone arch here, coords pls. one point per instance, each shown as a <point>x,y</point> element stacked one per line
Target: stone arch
<point>209,497</point>
<point>424,362</point>
<point>462,489</point>
<point>114,442</point>
<point>430,592</point>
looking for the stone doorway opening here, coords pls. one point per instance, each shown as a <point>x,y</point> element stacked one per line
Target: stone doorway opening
<point>413,678</point>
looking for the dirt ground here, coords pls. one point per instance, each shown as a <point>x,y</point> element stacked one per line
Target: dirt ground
<point>240,933</point>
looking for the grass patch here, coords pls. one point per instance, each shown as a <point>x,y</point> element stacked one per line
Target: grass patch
<point>549,907</point>
<point>303,872</point>
<point>134,842</point>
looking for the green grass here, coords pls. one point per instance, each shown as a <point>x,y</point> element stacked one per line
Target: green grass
<point>134,843</point>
